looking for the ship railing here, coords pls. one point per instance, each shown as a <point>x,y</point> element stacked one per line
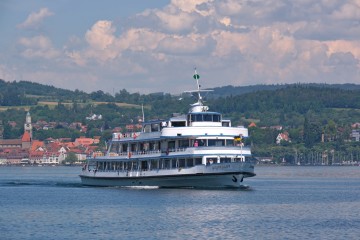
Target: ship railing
<point>118,136</point>
<point>174,150</point>
<point>147,152</point>
<point>221,148</point>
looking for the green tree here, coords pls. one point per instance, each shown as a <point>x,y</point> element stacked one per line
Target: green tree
<point>312,133</point>
<point>70,158</point>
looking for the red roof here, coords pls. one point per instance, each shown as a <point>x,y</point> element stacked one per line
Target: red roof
<point>26,137</point>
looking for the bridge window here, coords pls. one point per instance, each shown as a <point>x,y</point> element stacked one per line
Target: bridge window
<point>183,143</point>
<point>155,127</point>
<point>216,118</point>
<point>178,124</point>
<point>198,161</point>
<point>208,118</point>
<point>147,128</point>
<point>216,142</point>
<point>204,117</point>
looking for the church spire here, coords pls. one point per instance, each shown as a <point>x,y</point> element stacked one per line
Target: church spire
<point>28,125</point>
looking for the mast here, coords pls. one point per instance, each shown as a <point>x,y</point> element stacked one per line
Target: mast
<point>199,105</point>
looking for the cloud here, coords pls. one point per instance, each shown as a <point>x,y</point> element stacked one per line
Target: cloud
<point>273,41</point>
<point>231,42</point>
<point>35,18</point>
<point>38,47</point>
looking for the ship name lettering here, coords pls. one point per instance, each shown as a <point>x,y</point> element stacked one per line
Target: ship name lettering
<point>221,167</point>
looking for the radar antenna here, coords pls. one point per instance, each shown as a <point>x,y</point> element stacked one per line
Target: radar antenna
<point>199,105</point>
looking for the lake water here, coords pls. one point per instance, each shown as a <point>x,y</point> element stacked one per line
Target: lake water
<point>283,203</point>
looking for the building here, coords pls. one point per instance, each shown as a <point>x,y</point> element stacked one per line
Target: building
<point>282,137</point>
<point>28,125</point>
<point>355,135</point>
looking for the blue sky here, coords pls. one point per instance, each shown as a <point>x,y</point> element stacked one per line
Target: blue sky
<point>151,46</point>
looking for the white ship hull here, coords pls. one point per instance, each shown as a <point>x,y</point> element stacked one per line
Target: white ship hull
<point>212,176</point>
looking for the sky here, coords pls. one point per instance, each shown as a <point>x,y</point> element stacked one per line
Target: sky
<point>153,46</point>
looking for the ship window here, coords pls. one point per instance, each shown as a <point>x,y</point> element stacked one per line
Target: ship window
<point>181,163</point>
<point>189,162</point>
<point>178,124</point>
<point>167,164</point>
<point>229,142</point>
<point>133,147</point>
<point>202,142</point>
<point>171,144</point>
<point>211,160</point>
<point>225,124</point>
<point>225,160</point>
<point>129,165</point>
<point>154,164</point>
<point>174,163</point>
<point>144,147</point>
<point>239,159</point>
<point>216,118</point>
<point>216,142</point>
<point>208,117</point>
<point>198,161</point>
<point>164,164</point>
<point>134,165</point>
<point>183,143</point>
<point>124,147</point>
<point>147,128</point>
<point>144,166</point>
<point>155,127</point>
<point>199,118</point>
<point>154,146</point>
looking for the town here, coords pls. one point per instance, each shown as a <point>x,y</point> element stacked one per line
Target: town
<point>29,151</point>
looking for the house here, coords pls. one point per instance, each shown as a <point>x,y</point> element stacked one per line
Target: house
<point>10,143</point>
<point>278,127</point>
<point>355,135</point>
<point>117,129</point>
<point>282,137</point>
<point>252,124</point>
<point>36,157</point>
<point>37,145</point>
<point>84,141</point>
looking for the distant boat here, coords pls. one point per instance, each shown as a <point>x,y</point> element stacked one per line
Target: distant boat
<point>197,149</point>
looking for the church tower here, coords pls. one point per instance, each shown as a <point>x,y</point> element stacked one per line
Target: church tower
<point>27,125</point>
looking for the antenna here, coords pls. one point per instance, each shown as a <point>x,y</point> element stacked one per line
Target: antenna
<point>197,77</point>
<point>199,105</point>
<point>143,115</point>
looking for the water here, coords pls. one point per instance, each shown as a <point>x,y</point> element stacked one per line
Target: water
<point>282,203</point>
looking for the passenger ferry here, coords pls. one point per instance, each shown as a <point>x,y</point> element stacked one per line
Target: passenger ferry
<point>199,149</point>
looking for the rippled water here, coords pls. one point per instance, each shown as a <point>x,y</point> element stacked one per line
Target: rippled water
<point>282,203</point>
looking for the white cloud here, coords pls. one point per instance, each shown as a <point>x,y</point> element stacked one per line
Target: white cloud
<point>266,42</point>
<point>230,41</point>
<point>38,47</point>
<point>101,35</point>
<point>35,18</point>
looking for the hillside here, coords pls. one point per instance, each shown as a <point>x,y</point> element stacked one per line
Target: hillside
<point>317,117</point>
<point>239,90</point>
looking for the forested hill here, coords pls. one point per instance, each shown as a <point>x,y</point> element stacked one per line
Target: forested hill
<point>298,98</point>
<point>238,90</point>
<point>288,106</point>
<point>27,93</point>
<point>20,93</point>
